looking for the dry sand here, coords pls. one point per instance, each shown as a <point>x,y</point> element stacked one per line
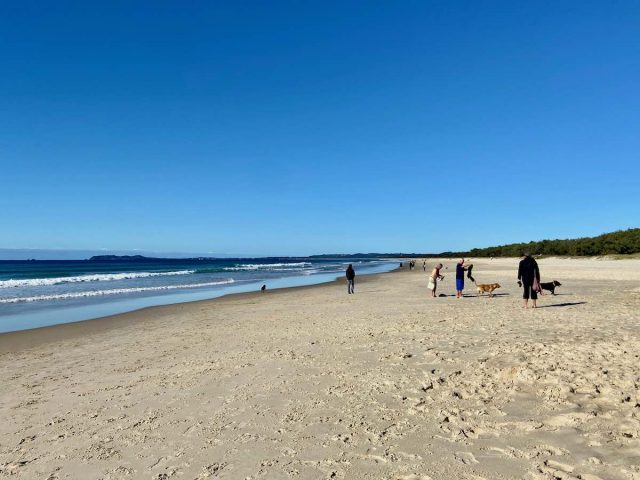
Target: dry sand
<point>312,383</point>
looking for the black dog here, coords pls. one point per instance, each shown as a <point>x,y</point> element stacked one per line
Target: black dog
<point>263,288</point>
<point>551,286</point>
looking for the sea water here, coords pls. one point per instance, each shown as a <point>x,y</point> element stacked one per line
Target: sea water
<point>40,293</point>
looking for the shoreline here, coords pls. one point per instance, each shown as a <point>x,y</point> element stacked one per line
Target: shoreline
<point>32,337</point>
<point>37,297</point>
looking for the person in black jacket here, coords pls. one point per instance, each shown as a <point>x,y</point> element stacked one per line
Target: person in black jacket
<point>351,276</point>
<point>528,274</point>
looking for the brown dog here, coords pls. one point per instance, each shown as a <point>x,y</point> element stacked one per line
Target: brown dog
<point>487,287</point>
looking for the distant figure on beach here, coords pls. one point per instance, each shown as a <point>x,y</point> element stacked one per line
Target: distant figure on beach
<point>351,279</point>
<point>460,269</point>
<point>529,279</point>
<point>424,266</point>
<point>264,288</point>
<point>433,279</point>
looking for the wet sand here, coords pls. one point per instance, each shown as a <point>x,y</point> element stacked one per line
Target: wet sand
<point>313,383</point>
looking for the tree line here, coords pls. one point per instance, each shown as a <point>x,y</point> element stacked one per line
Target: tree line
<point>621,242</point>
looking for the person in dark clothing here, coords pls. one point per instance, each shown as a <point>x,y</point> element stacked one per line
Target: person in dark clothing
<point>528,276</point>
<point>460,268</point>
<point>351,276</point>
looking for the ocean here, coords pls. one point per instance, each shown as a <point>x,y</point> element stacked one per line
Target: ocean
<point>37,293</point>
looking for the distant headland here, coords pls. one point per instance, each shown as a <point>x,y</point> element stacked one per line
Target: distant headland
<point>621,242</point>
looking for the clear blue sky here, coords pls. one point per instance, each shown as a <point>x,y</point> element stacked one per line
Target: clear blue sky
<point>310,127</point>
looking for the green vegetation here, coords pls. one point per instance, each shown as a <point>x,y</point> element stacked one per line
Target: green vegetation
<point>623,242</point>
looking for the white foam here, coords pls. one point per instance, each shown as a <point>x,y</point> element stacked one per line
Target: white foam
<point>113,291</point>
<point>100,277</point>
<point>274,267</point>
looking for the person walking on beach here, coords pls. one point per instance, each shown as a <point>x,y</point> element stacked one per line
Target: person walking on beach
<point>351,279</point>
<point>424,266</point>
<point>460,269</point>
<point>529,279</point>
<point>433,279</point>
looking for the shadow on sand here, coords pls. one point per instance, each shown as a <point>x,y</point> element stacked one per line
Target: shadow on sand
<point>566,304</point>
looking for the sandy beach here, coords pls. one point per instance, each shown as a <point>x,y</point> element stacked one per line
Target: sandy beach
<point>312,383</point>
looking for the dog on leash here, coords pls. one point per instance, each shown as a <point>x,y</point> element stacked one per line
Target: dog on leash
<point>487,288</point>
<point>551,286</point>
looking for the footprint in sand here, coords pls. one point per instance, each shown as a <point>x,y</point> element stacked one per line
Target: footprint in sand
<point>466,457</point>
<point>557,469</point>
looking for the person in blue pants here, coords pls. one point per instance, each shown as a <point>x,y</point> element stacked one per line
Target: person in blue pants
<point>460,269</point>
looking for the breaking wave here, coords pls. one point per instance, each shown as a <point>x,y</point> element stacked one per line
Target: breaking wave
<point>100,277</point>
<point>274,267</point>
<point>114,291</point>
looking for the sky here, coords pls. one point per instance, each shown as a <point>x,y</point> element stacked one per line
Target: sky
<point>293,128</point>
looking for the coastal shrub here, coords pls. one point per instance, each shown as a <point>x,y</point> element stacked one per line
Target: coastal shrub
<point>622,242</point>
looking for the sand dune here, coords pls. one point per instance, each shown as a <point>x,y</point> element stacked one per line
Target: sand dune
<point>313,383</point>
